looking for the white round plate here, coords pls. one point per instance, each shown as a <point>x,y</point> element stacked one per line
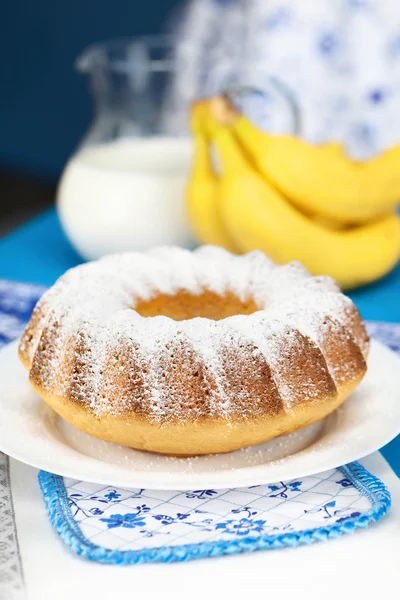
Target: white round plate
<point>31,432</point>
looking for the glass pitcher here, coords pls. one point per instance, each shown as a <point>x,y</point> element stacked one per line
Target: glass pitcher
<point>124,187</point>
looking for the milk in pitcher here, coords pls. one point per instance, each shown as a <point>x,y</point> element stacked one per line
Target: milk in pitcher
<point>127,194</point>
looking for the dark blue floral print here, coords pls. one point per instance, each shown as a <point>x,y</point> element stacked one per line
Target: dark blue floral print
<point>242,527</point>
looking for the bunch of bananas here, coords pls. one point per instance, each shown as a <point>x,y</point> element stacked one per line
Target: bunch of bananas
<point>291,199</point>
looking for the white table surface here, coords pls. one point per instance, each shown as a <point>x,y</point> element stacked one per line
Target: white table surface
<point>363,565</point>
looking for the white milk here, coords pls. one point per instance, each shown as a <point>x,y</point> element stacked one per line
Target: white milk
<point>126,195</point>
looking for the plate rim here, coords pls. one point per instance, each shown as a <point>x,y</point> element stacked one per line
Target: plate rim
<point>254,473</point>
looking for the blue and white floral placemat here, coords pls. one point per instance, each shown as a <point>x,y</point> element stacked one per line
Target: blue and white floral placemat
<point>122,526</point>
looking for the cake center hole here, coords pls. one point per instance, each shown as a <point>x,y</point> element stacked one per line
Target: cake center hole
<point>185,305</point>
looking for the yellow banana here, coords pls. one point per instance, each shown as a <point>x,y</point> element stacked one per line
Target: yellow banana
<point>328,223</point>
<point>201,192</point>
<point>259,216</point>
<point>335,148</point>
<point>319,179</point>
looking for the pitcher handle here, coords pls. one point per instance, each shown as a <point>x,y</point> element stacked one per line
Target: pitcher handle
<point>236,89</point>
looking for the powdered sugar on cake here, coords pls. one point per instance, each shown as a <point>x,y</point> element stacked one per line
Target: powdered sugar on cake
<point>89,315</point>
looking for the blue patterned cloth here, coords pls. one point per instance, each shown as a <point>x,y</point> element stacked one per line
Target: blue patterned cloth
<point>339,59</point>
<point>123,526</point>
<point>17,301</point>
<point>120,526</point>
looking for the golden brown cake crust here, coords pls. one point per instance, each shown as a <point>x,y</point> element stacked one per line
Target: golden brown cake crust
<point>194,438</point>
<point>287,349</point>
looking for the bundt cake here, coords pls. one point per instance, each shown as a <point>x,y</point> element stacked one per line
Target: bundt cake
<point>187,353</point>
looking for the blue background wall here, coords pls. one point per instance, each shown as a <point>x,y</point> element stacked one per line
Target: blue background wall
<point>44,104</point>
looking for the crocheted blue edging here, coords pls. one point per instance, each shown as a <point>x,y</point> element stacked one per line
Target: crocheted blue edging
<point>56,501</point>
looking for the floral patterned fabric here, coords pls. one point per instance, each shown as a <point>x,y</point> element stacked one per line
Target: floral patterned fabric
<point>17,301</point>
<point>131,520</point>
<point>340,60</point>
<point>11,573</point>
<point>123,526</point>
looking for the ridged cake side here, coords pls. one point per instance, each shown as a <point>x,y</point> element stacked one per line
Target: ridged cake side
<point>85,344</point>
